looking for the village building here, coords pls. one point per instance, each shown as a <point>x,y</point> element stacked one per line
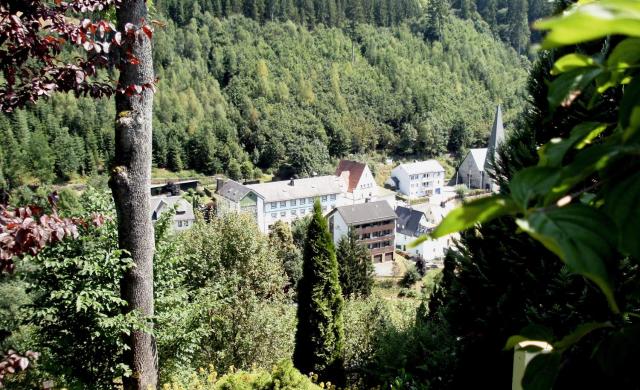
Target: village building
<point>281,200</point>
<point>173,187</point>
<point>413,224</point>
<point>289,200</point>
<point>361,184</point>
<point>472,172</point>
<point>184,216</point>
<point>373,223</point>
<point>418,179</point>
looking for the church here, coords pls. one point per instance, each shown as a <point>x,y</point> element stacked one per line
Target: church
<point>472,172</point>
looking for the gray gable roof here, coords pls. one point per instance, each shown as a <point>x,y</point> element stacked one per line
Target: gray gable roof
<point>184,209</point>
<point>366,212</point>
<point>497,136</point>
<point>408,222</point>
<point>234,191</point>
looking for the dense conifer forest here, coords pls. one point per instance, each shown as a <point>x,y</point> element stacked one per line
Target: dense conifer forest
<point>254,86</point>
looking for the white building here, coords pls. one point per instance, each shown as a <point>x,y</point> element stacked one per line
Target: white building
<point>472,172</point>
<point>361,185</point>
<point>292,199</point>
<point>412,224</point>
<point>419,179</point>
<point>281,200</point>
<point>184,216</point>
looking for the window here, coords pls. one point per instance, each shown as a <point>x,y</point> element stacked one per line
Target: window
<point>294,212</point>
<point>274,205</point>
<point>293,202</point>
<point>310,200</point>
<point>303,211</point>
<point>324,198</point>
<point>283,213</point>
<point>283,204</point>
<point>274,215</point>
<point>333,197</point>
<point>302,201</point>
<point>179,223</point>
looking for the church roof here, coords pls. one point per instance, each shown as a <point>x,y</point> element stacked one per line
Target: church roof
<point>479,157</point>
<point>497,136</point>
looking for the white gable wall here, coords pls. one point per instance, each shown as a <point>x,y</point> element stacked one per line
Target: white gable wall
<point>469,174</point>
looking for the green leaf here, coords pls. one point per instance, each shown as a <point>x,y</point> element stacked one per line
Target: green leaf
<point>629,114</point>
<point>568,86</point>
<point>586,22</point>
<point>585,164</point>
<point>476,211</point>
<point>622,204</point>
<point>532,182</point>
<point>625,54</point>
<point>513,341</point>
<point>542,371</point>
<point>581,236</point>
<point>572,61</point>
<point>552,153</point>
<point>581,331</point>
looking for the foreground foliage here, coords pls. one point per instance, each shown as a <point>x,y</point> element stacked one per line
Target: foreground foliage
<point>581,198</point>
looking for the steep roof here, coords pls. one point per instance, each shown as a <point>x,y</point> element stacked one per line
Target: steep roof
<point>365,212</point>
<point>302,188</point>
<point>497,136</point>
<point>233,190</point>
<point>409,221</point>
<point>354,169</point>
<point>422,167</point>
<point>184,209</point>
<point>479,157</point>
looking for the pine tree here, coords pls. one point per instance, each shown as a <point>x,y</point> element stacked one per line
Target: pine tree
<point>319,336</point>
<point>518,32</point>
<point>356,268</point>
<point>437,11</point>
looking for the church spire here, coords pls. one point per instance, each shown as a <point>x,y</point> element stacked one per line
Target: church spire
<point>497,136</point>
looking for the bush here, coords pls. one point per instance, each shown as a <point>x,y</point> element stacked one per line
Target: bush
<point>410,278</point>
<point>407,293</point>
<point>283,377</point>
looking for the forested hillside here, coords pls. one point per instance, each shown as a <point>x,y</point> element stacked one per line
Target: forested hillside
<point>241,96</point>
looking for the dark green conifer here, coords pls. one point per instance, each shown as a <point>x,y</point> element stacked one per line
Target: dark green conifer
<point>356,267</point>
<point>320,334</point>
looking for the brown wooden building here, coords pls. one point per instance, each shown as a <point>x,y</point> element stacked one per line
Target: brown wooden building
<point>374,224</point>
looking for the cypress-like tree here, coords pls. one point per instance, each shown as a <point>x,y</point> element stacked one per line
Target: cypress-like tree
<point>320,334</point>
<point>356,268</point>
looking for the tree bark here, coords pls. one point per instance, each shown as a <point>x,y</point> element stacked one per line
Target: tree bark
<point>129,182</point>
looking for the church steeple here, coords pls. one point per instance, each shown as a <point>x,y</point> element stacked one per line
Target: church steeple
<point>497,137</point>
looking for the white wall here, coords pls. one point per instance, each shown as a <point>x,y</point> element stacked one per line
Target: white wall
<point>429,249</point>
<point>340,228</point>
<point>468,167</point>
<point>287,212</point>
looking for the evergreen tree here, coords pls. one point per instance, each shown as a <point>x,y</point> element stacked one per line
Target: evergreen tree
<point>437,11</point>
<point>518,31</point>
<point>356,267</point>
<point>319,336</point>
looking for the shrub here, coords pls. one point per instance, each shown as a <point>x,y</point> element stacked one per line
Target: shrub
<point>410,278</point>
<point>282,377</point>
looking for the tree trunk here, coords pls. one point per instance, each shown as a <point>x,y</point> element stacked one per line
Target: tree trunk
<point>130,179</point>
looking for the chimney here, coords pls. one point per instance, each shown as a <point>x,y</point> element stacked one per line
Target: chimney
<point>292,182</point>
<point>219,184</point>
